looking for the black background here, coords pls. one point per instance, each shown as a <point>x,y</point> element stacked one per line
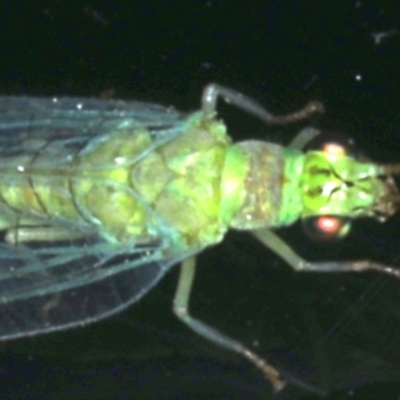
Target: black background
<point>330,335</point>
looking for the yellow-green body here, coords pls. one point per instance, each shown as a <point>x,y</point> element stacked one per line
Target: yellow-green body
<point>132,187</point>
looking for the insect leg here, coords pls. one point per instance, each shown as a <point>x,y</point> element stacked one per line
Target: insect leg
<point>213,91</point>
<point>275,243</point>
<point>181,310</point>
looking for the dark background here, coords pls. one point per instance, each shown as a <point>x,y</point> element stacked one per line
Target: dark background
<point>331,335</point>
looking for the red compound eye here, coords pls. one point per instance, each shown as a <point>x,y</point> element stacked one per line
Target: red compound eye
<point>326,227</point>
<point>334,143</point>
<point>334,149</point>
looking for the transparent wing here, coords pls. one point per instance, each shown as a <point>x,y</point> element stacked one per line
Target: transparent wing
<point>48,286</point>
<point>38,297</point>
<point>27,116</point>
<point>71,124</point>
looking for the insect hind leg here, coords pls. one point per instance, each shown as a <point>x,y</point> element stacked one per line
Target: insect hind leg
<point>181,310</point>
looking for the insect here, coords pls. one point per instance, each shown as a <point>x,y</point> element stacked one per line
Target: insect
<point>100,198</point>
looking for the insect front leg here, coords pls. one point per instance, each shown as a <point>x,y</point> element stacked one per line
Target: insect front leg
<point>213,91</point>
<point>275,243</point>
<point>181,310</point>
